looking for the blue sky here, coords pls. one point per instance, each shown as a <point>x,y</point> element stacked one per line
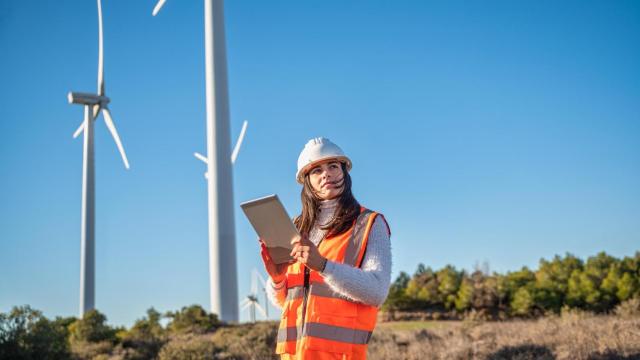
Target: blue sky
<point>493,131</point>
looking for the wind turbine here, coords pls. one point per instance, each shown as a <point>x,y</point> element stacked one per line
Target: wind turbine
<point>223,279</point>
<point>251,301</point>
<point>94,104</point>
<point>263,283</point>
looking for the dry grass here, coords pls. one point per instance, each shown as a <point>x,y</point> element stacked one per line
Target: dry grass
<point>573,335</point>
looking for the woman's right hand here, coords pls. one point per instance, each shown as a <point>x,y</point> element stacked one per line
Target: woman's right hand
<point>277,272</point>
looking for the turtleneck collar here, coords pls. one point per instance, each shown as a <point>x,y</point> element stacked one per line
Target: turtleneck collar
<point>328,204</point>
<point>327,210</point>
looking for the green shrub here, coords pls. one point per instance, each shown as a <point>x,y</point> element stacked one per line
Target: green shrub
<point>248,341</point>
<point>26,334</point>
<point>192,319</point>
<point>146,337</point>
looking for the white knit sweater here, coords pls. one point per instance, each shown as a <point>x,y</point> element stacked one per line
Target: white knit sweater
<point>368,284</point>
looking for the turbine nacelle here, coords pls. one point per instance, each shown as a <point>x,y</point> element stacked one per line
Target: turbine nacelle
<point>87,99</point>
<point>97,104</point>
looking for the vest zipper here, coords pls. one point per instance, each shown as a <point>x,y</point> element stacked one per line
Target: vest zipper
<point>305,295</point>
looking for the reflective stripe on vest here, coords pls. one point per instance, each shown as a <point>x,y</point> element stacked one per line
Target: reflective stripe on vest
<point>357,238</point>
<point>324,290</point>
<point>327,332</point>
<point>295,292</point>
<point>337,333</point>
<point>288,334</point>
<point>316,289</point>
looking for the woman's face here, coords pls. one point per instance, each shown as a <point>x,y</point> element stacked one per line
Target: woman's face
<point>327,179</point>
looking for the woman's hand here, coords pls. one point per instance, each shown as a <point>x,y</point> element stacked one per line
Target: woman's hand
<point>306,252</point>
<point>277,272</point>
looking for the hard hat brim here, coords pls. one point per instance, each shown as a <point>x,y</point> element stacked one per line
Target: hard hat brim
<point>302,172</point>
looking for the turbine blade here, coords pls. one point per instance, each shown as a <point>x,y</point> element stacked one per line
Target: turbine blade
<point>262,280</point>
<point>236,149</point>
<point>245,306</point>
<point>79,130</point>
<point>100,52</point>
<point>158,6</point>
<point>254,284</point>
<point>262,311</point>
<point>114,133</point>
<point>96,111</point>
<point>200,157</point>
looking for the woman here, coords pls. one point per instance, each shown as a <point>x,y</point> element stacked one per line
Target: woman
<point>341,267</point>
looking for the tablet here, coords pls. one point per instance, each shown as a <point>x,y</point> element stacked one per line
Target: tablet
<point>273,225</point>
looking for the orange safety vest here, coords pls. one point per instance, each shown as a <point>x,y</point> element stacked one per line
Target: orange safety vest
<point>318,323</point>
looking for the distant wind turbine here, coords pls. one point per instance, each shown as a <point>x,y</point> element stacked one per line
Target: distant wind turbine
<point>94,104</point>
<point>251,301</point>
<point>223,278</point>
<point>263,284</point>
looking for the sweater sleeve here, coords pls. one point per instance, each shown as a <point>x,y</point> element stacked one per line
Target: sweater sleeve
<point>370,283</point>
<point>277,293</point>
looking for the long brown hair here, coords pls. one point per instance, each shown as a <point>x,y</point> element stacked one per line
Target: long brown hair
<point>346,212</point>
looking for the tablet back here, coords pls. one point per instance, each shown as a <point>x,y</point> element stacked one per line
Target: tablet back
<point>270,220</point>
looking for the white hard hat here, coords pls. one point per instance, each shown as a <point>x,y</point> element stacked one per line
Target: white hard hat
<point>317,150</point>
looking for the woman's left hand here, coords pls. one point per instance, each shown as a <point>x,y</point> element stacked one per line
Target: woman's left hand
<point>306,252</point>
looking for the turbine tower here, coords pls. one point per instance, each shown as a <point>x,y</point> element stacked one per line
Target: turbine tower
<point>223,279</point>
<point>94,104</point>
